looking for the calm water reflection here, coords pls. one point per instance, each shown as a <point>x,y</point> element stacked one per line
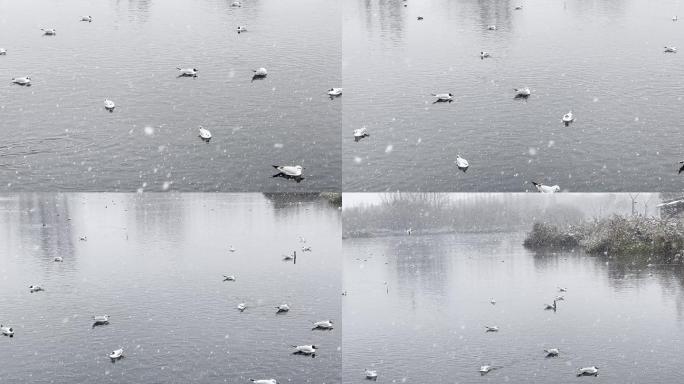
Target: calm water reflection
<point>428,321</point>
<point>602,60</point>
<point>57,134</point>
<point>154,264</point>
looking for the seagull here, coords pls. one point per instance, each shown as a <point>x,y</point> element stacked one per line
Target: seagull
<point>187,72</point>
<point>306,248</point>
<point>371,375</point>
<point>50,31</point>
<point>551,352</point>
<point>100,320</point>
<point>492,301</point>
<point>293,256</point>
<point>35,288</point>
<point>568,118</point>
<point>420,17</point>
<point>522,92</point>
<point>550,307</point>
<point>3,51</point>
<point>7,331</point>
<point>333,92</point>
<point>485,369</point>
<point>83,238</point>
<point>681,169</point>
<point>22,80</point>
<point>228,278</point>
<point>290,170</point>
<point>461,163</point>
<point>282,308</point>
<point>115,355</point>
<point>305,350</point>
<point>492,28</point>
<point>484,54</point>
<point>519,7</point>
<point>325,324</point>
<point>264,381</point>
<point>562,289</point>
<point>241,307</point>
<point>492,328</point>
<point>87,18</point>
<point>675,18</point>
<point>360,133</point>
<point>236,4</point>
<point>670,49</point>
<point>409,231</point>
<point>58,259</point>
<point>241,28</point>
<point>204,134</point>
<point>259,73</point>
<point>231,249</point>
<point>587,371</point>
<point>109,105</point>
<point>442,97</point>
<point>546,189</point>
<point>560,298</point>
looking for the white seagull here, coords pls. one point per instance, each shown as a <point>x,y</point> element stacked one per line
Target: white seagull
<point>360,133</point>
<point>290,170</point>
<point>492,301</point>
<point>231,249</point>
<point>101,319</point>
<point>58,259</point>
<point>522,92</point>
<point>261,72</point>
<point>236,4</point>
<point>306,248</point>
<point>568,118</point>
<point>443,96</point>
<point>325,324</point>
<point>332,92</point>
<point>3,51</point>
<point>492,28</point>
<point>87,18</point>
<point>462,163</point>
<point>228,278</point>
<point>587,371</point>
<point>204,133</point>
<point>115,355</point>
<point>371,375</point>
<point>670,49</point>
<point>241,307</point>
<point>22,80</point>
<point>241,28</point>
<point>109,105</point>
<point>492,328</point>
<point>305,350</point>
<point>282,308</point>
<point>264,381</point>
<point>188,72</point>
<point>49,31</point>
<point>551,352</point>
<point>7,331</point>
<point>35,288</point>
<point>675,18</point>
<point>485,369</point>
<point>546,188</point>
<point>484,54</point>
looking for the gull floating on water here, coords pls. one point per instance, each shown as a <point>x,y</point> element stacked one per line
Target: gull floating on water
<point>282,308</point>
<point>231,249</point>
<point>562,289</point>
<point>236,4</point>
<point>305,350</point>
<point>546,188</point>
<point>568,118</point>
<point>670,49</point>
<point>306,248</point>
<point>371,375</point>
<point>485,369</point>
<point>115,355</point>
<point>204,133</point>
<point>264,381</point>
<point>325,324</point>
<point>519,7</point>
<point>522,92</point>
<point>259,73</point>
<point>332,92</point>
<point>560,298</point>
<point>420,17</point>
<point>87,18</point>
<point>228,278</point>
<point>35,288</point>
<point>241,307</point>
<point>492,301</point>
<point>587,371</point>
<point>293,256</point>
<point>409,231</point>
<point>484,54</point>
<point>241,28</point>
<point>461,163</point>
<point>7,331</point>
<point>26,80</point>
<point>83,238</point>
<point>675,18</point>
<point>101,319</point>
<point>49,31</point>
<point>551,352</point>
<point>58,259</point>
<point>290,170</point>
<point>492,27</point>
<point>109,105</point>
<point>360,133</point>
<point>441,97</point>
<point>3,51</point>
<point>550,307</point>
<point>492,328</point>
<point>187,72</point>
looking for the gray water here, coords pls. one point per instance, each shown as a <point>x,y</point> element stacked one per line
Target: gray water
<point>427,324</point>
<point>603,60</point>
<point>57,135</point>
<point>154,263</point>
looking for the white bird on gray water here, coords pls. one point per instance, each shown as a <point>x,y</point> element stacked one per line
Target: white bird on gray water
<point>282,308</point>
<point>485,369</point>
<point>360,133</point>
<point>87,18</point>
<point>290,170</point>
<point>462,163</point>
<point>3,51</point>
<point>492,328</point>
<point>568,118</point>
<point>204,133</point>
<point>35,288</point>
<point>546,188</point>
<point>522,92</point>
<point>241,307</point>
<point>325,324</point>
<point>484,54</point>
<point>49,31</point>
<point>443,96</point>
<point>371,375</point>
<point>551,352</point>
<point>189,72</point>
<point>228,278</point>
<point>236,4</point>
<point>109,105</point>
<point>492,301</point>
<point>492,27</point>
<point>260,72</point>
<point>334,92</point>
<point>7,331</point>
<point>264,381</point>
<point>117,354</point>
<point>670,49</point>
<point>241,28</point>
<point>26,80</point>
<point>305,350</point>
<point>101,319</point>
<point>587,371</point>
<point>58,259</point>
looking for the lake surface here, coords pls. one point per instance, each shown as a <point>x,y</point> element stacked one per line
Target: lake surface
<point>428,322</point>
<point>154,263</point>
<point>603,60</point>
<point>57,135</point>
